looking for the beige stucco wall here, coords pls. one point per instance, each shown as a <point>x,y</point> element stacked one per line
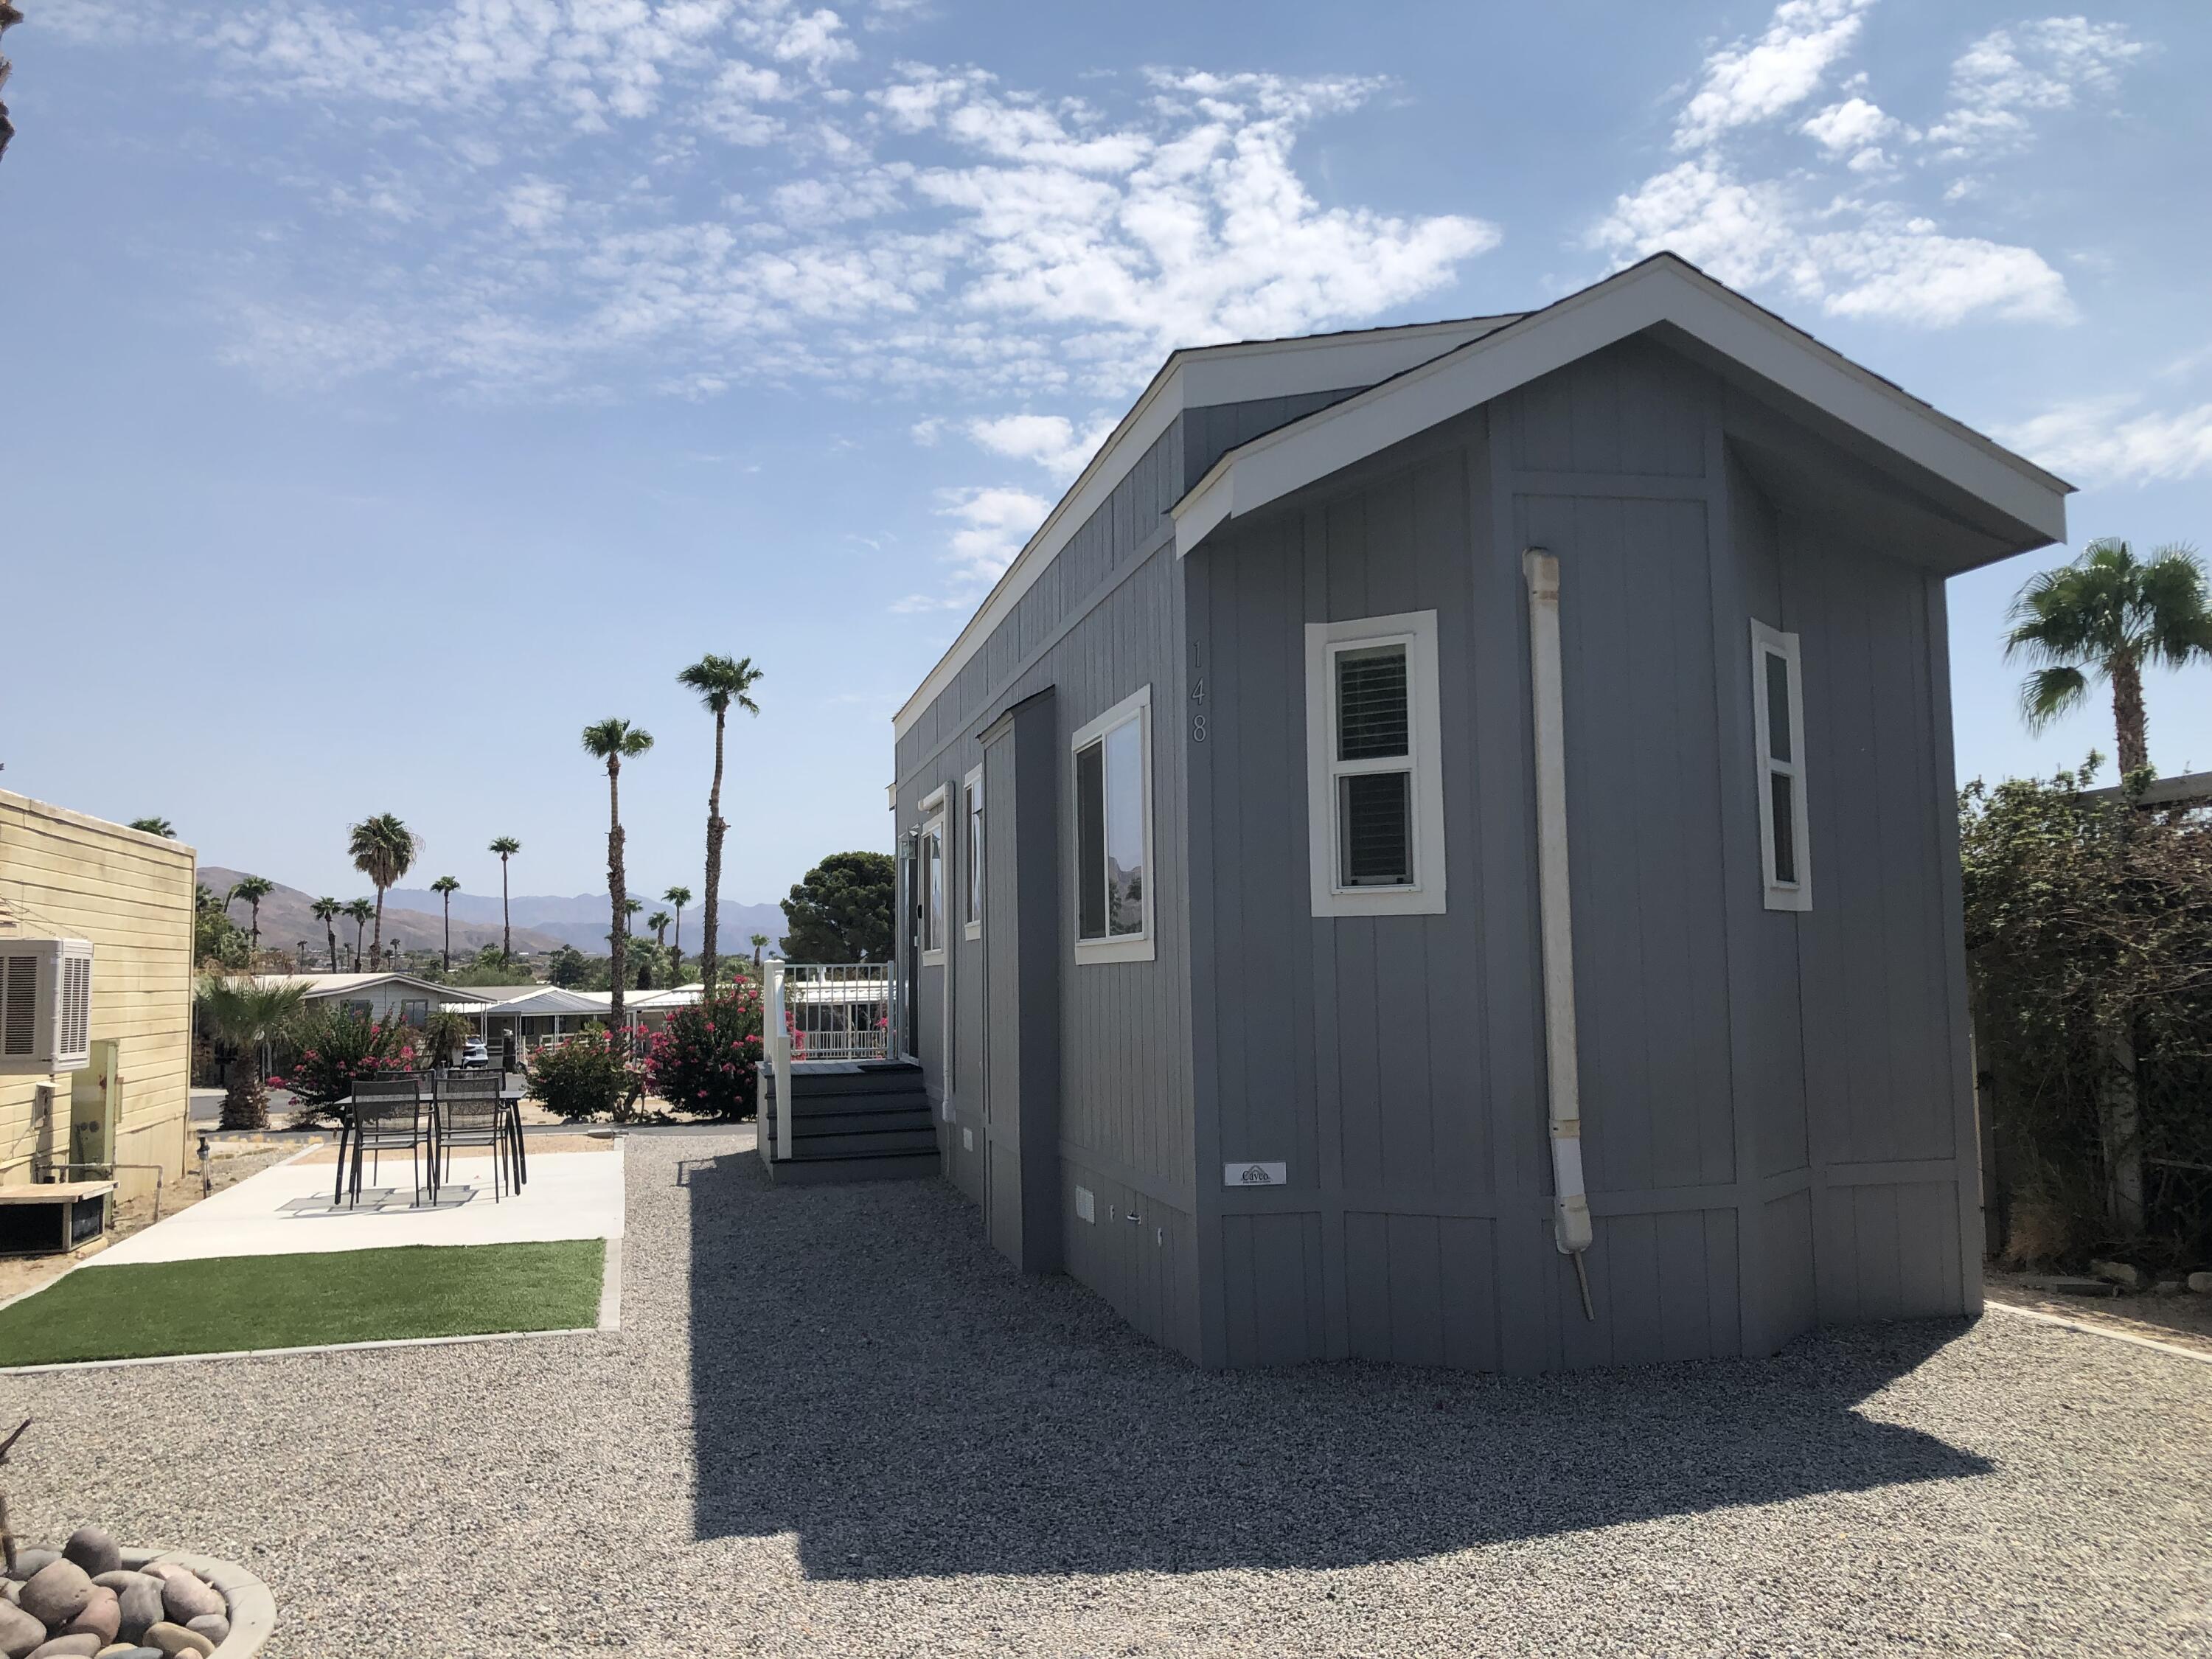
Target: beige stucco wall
<point>130,894</point>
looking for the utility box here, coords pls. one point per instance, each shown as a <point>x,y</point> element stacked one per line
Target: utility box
<point>52,1217</point>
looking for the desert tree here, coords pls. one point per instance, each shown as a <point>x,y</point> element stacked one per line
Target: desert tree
<point>161,827</point>
<point>327,910</point>
<point>722,682</point>
<point>444,887</point>
<point>246,1013</point>
<point>507,847</point>
<point>612,742</point>
<point>360,912</point>
<point>383,849</point>
<point>253,890</point>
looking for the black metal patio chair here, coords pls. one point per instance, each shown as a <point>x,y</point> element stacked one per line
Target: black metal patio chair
<point>387,1115</point>
<point>470,1112</point>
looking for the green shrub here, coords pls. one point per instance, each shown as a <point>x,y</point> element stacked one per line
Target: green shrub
<point>702,1060</point>
<point>585,1076</point>
<point>331,1048</point>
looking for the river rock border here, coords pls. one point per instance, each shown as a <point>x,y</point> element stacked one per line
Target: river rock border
<point>247,1604</point>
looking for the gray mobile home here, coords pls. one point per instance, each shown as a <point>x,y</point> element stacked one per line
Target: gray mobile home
<point>1442,848</point>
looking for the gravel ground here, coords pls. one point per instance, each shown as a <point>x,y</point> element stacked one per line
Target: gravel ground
<point>835,1422</point>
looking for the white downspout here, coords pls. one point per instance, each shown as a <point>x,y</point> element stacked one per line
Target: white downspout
<point>1570,1217</point>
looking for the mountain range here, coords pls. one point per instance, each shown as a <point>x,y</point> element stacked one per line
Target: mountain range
<point>542,922</point>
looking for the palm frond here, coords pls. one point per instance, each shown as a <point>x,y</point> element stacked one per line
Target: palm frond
<point>2049,693</point>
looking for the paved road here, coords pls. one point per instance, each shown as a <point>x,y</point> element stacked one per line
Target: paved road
<point>835,1423</point>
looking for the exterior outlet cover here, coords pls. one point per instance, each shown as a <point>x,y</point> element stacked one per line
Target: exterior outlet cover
<point>967,1139</point>
<point>1086,1205</point>
<point>1256,1174</point>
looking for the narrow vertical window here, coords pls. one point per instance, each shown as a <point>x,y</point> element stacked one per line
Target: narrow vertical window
<point>1113,834</point>
<point>1375,793</point>
<point>932,890</point>
<point>972,851</point>
<point>1778,715</point>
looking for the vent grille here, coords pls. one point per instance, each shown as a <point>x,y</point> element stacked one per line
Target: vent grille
<point>19,1006</point>
<point>76,1005</point>
<point>1377,831</point>
<point>1371,722</point>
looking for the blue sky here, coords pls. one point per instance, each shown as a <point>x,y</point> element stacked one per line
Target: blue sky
<point>394,388</point>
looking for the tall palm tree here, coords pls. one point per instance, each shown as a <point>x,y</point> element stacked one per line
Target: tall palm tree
<point>2102,617</point>
<point>252,890</point>
<point>383,849</point>
<point>678,896</point>
<point>615,741</point>
<point>759,943</point>
<point>507,847</point>
<point>327,911</point>
<point>246,1013</point>
<point>444,887</point>
<point>720,682</point>
<point>658,921</point>
<point>161,827</point>
<point>358,912</point>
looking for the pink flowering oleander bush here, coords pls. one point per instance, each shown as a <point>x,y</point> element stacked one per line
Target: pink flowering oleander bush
<point>589,1075</point>
<point>331,1047</point>
<point>703,1060</point>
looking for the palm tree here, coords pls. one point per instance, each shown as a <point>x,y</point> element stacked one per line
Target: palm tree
<point>444,887</point>
<point>252,890</point>
<point>615,741</point>
<point>678,896</point>
<point>2101,618</point>
<point>759,943</point>
<point>161,827</point>
<point>383,849</point>
<point>507,847</point>
<point>720,683</point>
<point>327,911</point>
<point>246,1013</point>
<point>358,912</point>
<point>658,921</point>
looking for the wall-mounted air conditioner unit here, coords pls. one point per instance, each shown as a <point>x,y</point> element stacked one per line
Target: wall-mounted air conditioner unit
<point>45,1005</point>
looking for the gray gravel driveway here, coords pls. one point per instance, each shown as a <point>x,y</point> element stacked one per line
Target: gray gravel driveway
<point>835,1422</point>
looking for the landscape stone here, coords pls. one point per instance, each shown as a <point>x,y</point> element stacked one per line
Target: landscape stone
<point>2201,1283</point>
<point>93,1550</point>
<point>102,1617</point>
<point>10,1590</point>
<point>120,1651</point>
<point>214,1626</point>
<point>174,1639</point>
<point>186,1597</point>
<point>2124,1273</point>
<point>141,1606</point>
<point>56,1593</point>
<point>30,1562</point>
<point>68,1647</point>
<point>122,1579</point>
<point>19,1632</point>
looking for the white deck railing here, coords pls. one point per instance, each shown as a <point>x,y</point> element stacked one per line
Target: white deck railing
<point>820,1011</point>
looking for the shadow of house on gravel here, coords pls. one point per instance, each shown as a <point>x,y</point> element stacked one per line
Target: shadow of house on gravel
<point>868,1373</point>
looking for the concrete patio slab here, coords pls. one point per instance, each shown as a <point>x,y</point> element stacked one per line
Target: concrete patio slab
<point>569,1195</point>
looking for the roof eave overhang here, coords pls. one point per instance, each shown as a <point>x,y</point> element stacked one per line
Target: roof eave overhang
<point>1660,290</point>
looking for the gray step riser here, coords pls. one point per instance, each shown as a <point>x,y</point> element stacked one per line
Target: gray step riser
<point>894,1140</point>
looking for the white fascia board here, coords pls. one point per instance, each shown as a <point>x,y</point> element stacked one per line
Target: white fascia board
<point>1275,464</point>
<point>1191,378</point>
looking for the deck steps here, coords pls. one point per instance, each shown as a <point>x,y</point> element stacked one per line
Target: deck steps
<point>851,1121</point>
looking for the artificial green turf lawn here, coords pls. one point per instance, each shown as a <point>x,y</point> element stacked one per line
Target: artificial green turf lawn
<point>230,1302</point>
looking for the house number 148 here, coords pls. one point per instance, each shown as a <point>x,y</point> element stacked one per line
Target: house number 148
<point>1197,695</point>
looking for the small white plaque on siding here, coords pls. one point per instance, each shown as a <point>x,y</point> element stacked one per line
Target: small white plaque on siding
<point>1086,1206</point>
<point>1255,1175</point>
<point>967,1138</point>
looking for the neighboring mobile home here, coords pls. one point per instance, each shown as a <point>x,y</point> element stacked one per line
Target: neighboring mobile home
<point>65,875</point>
<point>1438,816</point>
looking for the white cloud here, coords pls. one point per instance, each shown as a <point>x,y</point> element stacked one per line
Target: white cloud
<point>1752,80</point>
<point>535,204</point>
<point>2008,74</point>
<point>2098,440</point>
<point>995,520</point>
<point>1050,441</point>
<point>1849,258</point>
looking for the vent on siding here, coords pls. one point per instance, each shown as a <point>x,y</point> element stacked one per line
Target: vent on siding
<point>76,1005</point>
<point>19,1004</point>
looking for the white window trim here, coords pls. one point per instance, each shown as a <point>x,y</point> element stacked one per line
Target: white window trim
<point>1781,894</point>
<point>1417,630</point>
<point>1123,947</point>
<point>933,958</point>
<point>971,888</point>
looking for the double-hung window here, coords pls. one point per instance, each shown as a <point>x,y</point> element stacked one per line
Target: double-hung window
<point>971,795</point>
<point>1375,783</point>
<point>1114,874</point>
<point>932,879</point>
<point>1778,714</point>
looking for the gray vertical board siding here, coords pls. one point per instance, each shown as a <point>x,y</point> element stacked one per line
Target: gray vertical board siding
<point>1212,430</point>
